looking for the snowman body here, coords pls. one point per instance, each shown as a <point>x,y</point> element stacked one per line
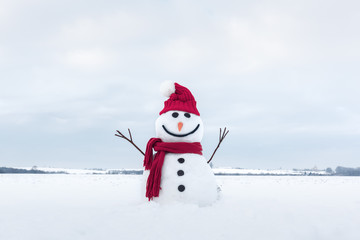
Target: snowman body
<point>185,177</point>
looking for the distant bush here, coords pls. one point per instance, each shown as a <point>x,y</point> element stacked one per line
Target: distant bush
<point>344,171</point>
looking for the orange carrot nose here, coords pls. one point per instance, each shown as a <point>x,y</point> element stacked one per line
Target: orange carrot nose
<point>180,125</point>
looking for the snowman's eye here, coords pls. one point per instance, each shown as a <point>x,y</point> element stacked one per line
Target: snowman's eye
<point>175,114</point>
<point>187,115</point>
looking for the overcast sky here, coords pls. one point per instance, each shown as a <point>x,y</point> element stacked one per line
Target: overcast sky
<point>283,76</point>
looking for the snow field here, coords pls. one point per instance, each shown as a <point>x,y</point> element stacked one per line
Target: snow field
<point>111,207</point>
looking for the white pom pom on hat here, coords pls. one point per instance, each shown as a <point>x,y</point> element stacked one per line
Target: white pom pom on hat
<point>167,88</point>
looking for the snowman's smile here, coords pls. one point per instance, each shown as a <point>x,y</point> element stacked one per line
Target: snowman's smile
<point>181,135</point>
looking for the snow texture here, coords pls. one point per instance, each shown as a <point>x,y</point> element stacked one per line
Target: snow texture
<point>43,207</point>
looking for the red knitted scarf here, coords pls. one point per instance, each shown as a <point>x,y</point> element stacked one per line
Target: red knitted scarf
<point>155,165</point>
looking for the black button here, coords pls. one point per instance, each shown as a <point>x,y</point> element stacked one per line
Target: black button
<point>180,173</point>
<point>181,160</point>
<point>181,188</point>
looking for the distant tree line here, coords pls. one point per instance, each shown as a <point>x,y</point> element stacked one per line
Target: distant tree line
<point>345,171</point>
<point>4,170</point>
<point>124,171</point>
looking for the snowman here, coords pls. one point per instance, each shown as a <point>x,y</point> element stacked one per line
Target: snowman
<point>178,172</point>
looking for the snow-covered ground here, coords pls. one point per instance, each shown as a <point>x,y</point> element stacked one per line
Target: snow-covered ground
<point>109,207</point>
<point>244,171</point>
<point>220,171</point>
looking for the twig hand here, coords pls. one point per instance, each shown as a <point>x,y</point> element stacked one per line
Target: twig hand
<point>221,138</point>
<point>129,140</point>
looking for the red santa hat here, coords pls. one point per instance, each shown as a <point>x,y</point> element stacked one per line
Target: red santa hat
<point>180,98</point>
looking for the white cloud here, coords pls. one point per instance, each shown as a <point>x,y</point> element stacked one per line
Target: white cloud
<point>6,11</point>
<point>180,54</point>
<point>107,30</point>
<point>89,60</point>
<point>2,56</point>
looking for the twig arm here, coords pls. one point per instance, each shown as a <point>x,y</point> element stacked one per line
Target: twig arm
<point>129,140</point>
<point>221,138</point>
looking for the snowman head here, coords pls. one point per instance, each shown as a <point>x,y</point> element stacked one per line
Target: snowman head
<point>179,126</point>
<point>180,120</point>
